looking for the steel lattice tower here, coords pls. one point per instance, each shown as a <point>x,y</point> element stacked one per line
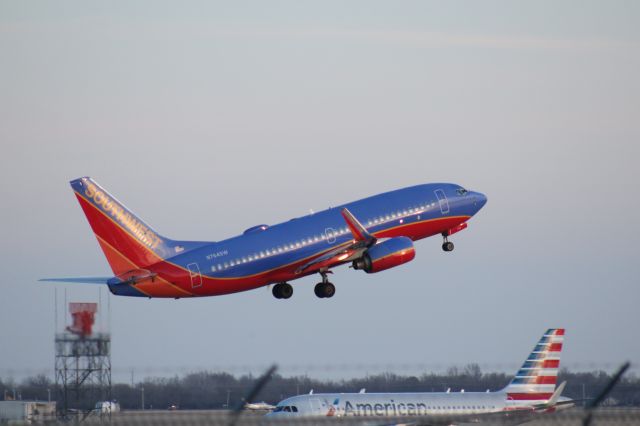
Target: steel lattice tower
<point>83,361</point>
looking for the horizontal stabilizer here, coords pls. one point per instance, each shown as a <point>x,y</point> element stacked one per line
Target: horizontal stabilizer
<point>556,395</point>
<point>78,280</point>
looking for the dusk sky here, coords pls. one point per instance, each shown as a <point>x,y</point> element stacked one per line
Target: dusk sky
<point>206,118</point>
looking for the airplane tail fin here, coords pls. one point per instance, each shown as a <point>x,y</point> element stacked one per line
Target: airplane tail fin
<point>536,380</point>
<point>127,242</point>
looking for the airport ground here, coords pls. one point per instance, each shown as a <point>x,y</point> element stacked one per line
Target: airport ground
<point>604,417</point>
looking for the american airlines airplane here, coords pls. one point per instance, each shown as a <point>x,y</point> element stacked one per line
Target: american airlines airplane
<point>532,391</point>
<point>372,234</point>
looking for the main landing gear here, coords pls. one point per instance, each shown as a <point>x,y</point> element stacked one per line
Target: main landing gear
<point>324,289</point>
<point>447,245</point>
<point>282,291</point>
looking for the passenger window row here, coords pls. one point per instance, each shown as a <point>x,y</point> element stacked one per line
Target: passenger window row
<point>286,248</point>
<point>286,409</point>
<point>400,214</point>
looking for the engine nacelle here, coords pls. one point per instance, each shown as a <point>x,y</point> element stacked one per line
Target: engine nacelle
<point>385,255</point>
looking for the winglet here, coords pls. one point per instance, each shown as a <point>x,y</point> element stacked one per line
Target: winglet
<point>359,232</point>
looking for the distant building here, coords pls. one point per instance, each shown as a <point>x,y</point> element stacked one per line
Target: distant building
<point>107,407</point>
<point>27,411</point>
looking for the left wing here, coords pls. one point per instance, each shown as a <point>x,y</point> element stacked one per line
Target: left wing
<point>133,276</point>
<point>345,253</point>
<point>79,280</point>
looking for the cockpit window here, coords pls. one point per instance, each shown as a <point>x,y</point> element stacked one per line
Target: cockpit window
<point>287,409</point>
<point>294,408</point>
<point>461,191</point>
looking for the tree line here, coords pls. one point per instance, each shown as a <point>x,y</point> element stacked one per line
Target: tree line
<point>216,390</point>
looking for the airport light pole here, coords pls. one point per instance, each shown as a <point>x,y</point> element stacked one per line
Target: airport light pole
<point>142,397</point>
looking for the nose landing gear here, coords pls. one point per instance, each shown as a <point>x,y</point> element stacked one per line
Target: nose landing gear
<point>447,245</point>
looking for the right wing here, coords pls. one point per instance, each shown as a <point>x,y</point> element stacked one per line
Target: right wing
<point>357,229</point>
<point>349,251</point>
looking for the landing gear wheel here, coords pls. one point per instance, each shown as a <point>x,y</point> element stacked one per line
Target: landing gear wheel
<point>447,246</point>
<point>282,291</point>
<point>324,290</point>
<point>329,290</point>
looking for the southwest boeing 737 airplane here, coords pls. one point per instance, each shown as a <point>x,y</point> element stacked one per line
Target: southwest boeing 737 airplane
<point>372,234</point>
<point>531,392</point>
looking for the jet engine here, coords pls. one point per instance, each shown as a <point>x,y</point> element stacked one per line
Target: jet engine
<point>386,254</point>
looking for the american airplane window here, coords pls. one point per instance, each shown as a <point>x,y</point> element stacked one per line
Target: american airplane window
<point>287,409</point>
<point>294,408</point>
<point>461,191</point>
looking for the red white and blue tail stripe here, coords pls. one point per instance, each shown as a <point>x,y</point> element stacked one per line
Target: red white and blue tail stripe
<point>536,380</point>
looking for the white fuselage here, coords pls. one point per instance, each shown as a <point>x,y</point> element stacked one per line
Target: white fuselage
<point>394,404</point>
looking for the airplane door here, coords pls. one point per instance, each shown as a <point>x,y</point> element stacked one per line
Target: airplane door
<point>194,273</point>
<point>442,200</point>
<point>315,404</point>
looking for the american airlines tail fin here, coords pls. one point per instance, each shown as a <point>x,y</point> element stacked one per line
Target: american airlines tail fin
<point>127,242</point>
<point>536,380</point>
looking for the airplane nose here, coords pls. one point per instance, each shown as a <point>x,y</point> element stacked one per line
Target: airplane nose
<point>481,200</point>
